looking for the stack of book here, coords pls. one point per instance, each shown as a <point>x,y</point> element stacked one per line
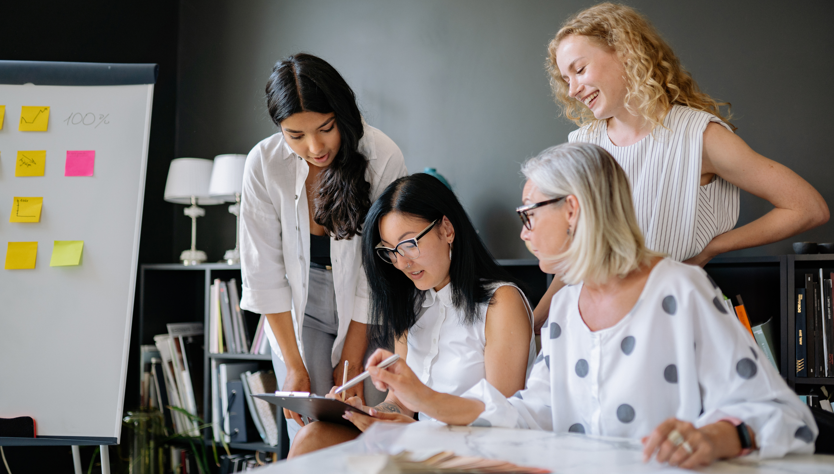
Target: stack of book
<point>228,332</point>
<point>238,417</point>
<point>172,376</point>
<point>814,329</point>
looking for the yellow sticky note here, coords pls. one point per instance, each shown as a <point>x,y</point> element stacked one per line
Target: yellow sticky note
<point>33,119</point>
<point>66,253</point>
<point>26,209</point>
<point>30,163</point>
<point>2,115</point>
<point>21,255</point>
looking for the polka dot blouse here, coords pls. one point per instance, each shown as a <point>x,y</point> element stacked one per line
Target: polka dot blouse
<point>678,353</point>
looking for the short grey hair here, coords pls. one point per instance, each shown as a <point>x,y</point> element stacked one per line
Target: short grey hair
<point>607,240</point>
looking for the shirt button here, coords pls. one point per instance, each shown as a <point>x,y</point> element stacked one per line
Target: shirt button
<point>296,197</point>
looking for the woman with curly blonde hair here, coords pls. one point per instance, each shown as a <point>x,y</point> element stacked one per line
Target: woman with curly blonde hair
<point>621,83</point>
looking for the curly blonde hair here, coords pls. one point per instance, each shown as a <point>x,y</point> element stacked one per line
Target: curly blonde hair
<point>654,76</point>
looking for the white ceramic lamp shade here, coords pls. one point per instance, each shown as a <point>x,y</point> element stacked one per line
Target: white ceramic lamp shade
<point>227,177</point>
<point>187,178</point>
<point>227,184</point>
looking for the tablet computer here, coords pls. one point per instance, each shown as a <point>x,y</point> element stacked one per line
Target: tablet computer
<point>313,406</point>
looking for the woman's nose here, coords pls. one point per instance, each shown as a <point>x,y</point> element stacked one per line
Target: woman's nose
<point>573,90</point>
<point>525,233</point>
<point>402,263</point>
<point>316,146</point>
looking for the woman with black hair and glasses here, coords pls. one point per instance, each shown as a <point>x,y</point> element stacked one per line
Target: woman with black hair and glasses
<point>452,313</point>
<point>306,191</point>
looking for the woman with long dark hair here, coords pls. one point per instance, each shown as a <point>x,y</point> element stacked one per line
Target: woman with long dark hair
<point>306,192</point>
<point>453,314</point>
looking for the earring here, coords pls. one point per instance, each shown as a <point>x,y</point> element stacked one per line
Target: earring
<point>568,231</point>
<point>450,251</point>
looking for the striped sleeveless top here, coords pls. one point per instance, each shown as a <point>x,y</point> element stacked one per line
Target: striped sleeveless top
<point>677,215</point>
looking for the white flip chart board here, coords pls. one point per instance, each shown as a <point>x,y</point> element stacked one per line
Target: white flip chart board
<point>65,328</point>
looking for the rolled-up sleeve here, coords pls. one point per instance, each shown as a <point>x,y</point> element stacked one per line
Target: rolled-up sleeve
<point>265,286</point>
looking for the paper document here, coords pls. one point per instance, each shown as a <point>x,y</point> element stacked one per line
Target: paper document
<point>66,253</point>
<point>21,255</point>
<point>33,119</point>
<point>80,163</point>
<point>26,209</point>
<point>30,163</point>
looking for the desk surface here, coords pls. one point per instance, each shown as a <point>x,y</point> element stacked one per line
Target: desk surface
<point>562,453</point>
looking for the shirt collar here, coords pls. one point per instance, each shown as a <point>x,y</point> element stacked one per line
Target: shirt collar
<point>444,295</point>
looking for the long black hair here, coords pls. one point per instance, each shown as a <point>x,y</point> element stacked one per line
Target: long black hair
<point>306,83</point>
<point>395,302</point>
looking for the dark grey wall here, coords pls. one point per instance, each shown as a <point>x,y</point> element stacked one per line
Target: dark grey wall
<point>460,85</point>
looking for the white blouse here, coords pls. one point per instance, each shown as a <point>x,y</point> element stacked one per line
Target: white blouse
<point>447,354</point>
<point>275,235</point>
<point>677,215</point>
<point>677,353</point>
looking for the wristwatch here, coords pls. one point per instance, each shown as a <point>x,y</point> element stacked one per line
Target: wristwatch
<point>743,434</point>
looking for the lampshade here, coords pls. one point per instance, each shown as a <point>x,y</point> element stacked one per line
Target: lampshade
<point>227,177</point>
<point>189,177</point>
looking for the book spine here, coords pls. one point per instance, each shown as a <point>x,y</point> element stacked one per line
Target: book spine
<point>823,324</point>
<point>226,316</point>
<point>809,325</point>
<point>819,361</point>
<point>237,314</point>
<point>801,334</point>
<point>758,334</point>
<point>829,367</point>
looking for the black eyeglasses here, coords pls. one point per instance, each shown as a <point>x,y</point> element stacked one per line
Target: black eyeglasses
<point>407,248</point>
<point>523,210</point>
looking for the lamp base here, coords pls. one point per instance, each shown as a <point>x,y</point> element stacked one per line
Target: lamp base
<point>232,256</point>
<point>192,257</point>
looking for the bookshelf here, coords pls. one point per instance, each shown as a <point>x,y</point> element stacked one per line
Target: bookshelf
<point>172,292</point>
<point>798,266</point>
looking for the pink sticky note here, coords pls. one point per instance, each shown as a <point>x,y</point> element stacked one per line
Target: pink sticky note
<point>80,163</point>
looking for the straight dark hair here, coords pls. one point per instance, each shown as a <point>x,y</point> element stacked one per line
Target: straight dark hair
<point>306,83</point>
<point>395,302</point>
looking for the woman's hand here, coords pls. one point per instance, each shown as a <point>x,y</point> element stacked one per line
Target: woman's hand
<point>354,369</point>
<point>298,380</point>
<point>680,444</point>
<point>363,422</point>
<point>399,379</point>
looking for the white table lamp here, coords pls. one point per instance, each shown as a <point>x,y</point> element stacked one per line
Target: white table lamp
<point>188,183</point>
<point>227,184</point>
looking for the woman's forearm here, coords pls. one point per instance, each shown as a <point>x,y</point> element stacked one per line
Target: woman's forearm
<point>284,332</point>
<point>451,409</point>
<point>356,344</point>
<point>776,225</point>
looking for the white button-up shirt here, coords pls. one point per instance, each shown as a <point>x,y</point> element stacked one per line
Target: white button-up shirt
<point>447,354</point>
<point>275,235</point>
<point>678,353</point>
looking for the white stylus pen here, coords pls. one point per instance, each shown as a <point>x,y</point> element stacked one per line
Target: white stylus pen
<point>382,365</point>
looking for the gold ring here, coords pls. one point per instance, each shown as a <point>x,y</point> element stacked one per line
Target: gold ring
<point>676,438</point>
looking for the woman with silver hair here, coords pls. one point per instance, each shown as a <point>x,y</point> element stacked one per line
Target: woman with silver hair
<point>637,344</point>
